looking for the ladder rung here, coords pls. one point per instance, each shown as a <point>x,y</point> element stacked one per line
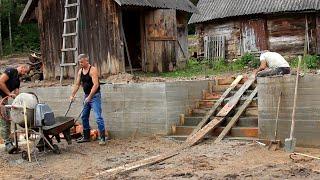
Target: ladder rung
<point>68,64</point>
<point>69,34</point>
<point>71,5</point>
<point>69,49</point>
<point>71,19</point>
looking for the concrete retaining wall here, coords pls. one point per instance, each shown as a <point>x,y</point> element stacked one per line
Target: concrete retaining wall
<point>307,129</point>
<point>146,108</point>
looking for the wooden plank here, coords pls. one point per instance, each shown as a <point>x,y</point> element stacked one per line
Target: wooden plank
<point>26,10</point>
<point>234,100</point>
<point>194,138</point>
<point>236,116</point>
<point>142,163</point>
<point>217,104</point>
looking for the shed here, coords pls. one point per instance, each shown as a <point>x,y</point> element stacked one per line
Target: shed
<point>285,26</point>
<point>154,30</point>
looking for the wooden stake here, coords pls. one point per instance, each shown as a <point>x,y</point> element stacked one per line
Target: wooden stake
<point>182,119</point>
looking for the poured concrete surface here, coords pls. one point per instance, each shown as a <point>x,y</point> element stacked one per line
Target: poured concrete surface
<point>131,109</point>
<point>307,129</point>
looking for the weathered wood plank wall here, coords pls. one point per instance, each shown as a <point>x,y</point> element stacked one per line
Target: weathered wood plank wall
<point>231,31</point>
<point>99,36</point>
<point>161,35</point>
<point>282,33</point>
<point>182,39</point>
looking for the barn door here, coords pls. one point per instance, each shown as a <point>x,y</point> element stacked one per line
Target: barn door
<point>254,35</point>
<point>161,33</point>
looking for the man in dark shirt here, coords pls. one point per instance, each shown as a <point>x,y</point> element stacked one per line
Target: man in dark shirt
<point>9,86</point>
<point>89,79</point>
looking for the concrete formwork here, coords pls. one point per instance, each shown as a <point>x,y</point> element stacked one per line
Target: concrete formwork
<point>307,129</point>
<point>145,108</point>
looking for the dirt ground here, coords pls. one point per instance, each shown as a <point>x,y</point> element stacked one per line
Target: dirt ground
<point>226,160</point>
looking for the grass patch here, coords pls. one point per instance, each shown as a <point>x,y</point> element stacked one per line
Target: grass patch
<point>308,62</point>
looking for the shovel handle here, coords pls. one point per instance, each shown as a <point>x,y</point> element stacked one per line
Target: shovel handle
<point>295,100</point>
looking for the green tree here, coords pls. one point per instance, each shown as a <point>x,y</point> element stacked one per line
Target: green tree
<point>16,38</point>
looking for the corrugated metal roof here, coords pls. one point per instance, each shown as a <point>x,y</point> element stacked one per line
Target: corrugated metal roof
<point>184,5</point>
<point>216,9</point>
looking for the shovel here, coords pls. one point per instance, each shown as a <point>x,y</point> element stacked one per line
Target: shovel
<point>275,144</point>
<point>290,143</point>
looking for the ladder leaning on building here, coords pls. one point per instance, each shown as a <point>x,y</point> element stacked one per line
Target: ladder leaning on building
<point>67,24</point>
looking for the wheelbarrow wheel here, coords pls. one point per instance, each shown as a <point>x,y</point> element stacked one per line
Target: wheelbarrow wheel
<point>24,155</point>
<point>56,149</point>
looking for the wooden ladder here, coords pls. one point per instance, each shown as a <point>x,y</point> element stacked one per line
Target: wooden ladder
<point>67,24</point>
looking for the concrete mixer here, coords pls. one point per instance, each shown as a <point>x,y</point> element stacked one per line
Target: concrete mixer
<point>40,121</point>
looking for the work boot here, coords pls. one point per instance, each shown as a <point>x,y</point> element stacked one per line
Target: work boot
<point>102,140</point>
<point>85,137</point>
<point>10,148</point>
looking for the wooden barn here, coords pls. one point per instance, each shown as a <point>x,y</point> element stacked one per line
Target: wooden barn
<point>230,28</point>
<point>154,31</point>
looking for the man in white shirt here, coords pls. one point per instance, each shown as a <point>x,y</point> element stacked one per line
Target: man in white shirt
<point>272,63</point>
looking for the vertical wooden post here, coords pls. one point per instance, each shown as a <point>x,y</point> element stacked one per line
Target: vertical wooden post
<point>182,119</point>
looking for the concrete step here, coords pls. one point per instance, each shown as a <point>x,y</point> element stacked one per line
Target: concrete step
<point>211,96</point>
<point>251,121</point>
<point>210,103</point>
<point>222,88</point>
<point>250,111</point>
<point>178,137</point>
<point>239,131</point>
<point>235,131</point>
<point>192,121</point>
<point>243,122</point>
<point>184,130</point>
<point>200,111</point>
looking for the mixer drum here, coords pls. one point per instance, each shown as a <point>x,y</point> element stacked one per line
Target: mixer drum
<point>17,115</point>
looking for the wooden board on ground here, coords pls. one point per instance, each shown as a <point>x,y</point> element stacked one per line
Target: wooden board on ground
<point>216,105</point>
<point>138,164</point>
<point>236,116</point>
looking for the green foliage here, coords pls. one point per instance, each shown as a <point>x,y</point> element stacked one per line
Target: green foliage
<point>312,62</point>
<point>249,60</point>
<point>25,36</point>
<point>309,62</point>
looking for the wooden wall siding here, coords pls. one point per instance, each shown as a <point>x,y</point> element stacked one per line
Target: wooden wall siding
<point>161,35</point>
<point>231,31</point>
<point>214,47</point>
<point>50,35</point>
<point>182,39</point>
<point>287,34</point>
<point>317,30</point>
<point>283,34</point>
<point>99,36</point>
<point>254,35</point>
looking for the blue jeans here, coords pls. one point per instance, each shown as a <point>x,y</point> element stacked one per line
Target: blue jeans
<point>95,104</point>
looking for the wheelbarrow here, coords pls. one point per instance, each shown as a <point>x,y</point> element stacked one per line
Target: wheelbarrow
<point>39,120</point>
